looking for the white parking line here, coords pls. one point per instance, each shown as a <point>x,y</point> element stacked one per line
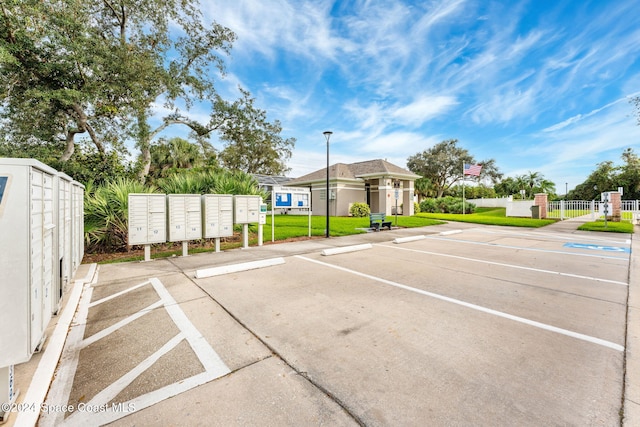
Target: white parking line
<point>524,248</point>
<point>529,322</point>
<point>501,264</point>
<point>550,236</point>
<point>212,363</point>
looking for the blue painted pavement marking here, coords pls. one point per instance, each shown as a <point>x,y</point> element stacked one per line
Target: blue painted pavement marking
<point>597,247</point>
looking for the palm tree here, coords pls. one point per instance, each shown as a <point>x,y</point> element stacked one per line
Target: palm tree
<point>521,183</point>
<point>546,186</point>
<point>174,154</point>
<point>422,187</point>
<point>533,180</point>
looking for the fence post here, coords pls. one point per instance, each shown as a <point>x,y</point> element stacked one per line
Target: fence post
<point>562,207</point>
<point>540,199</point>
<point>593,210</point>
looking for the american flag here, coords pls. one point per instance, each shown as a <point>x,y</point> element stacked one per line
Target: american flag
<point>472,169</point>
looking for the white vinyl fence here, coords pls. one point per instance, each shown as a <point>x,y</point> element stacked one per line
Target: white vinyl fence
<point>563,209</point>
<point>567,209</point>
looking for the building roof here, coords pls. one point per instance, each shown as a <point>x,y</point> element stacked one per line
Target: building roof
<point>270,180</point>
<point>357,171</point>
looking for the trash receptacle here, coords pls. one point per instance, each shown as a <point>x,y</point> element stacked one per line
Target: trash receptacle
<point>535,212</point>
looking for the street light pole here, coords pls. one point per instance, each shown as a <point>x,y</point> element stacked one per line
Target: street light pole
<point>327,135</point>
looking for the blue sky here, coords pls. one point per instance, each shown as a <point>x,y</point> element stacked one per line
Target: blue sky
<point>536,85</point>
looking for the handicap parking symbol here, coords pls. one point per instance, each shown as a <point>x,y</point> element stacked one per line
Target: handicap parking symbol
<point>597,247</point>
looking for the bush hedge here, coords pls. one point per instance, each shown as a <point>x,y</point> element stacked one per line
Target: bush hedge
<point>359,210</point>
<point>446,204</point>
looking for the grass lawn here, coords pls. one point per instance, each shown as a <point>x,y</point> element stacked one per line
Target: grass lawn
<point>614,227</point>
<point>292,226</point>
<point>490,216</point>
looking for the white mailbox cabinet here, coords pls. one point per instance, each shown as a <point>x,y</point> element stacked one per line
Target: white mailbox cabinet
<point>64,262</point>
<point>77,226</point>
<point>184,217</point>
<point>147,219</point>
<point>217,213</point>
<point>27,253</point>
<point>247,209</point>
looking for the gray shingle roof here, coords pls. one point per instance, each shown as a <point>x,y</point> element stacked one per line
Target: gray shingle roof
<point>353,171</point>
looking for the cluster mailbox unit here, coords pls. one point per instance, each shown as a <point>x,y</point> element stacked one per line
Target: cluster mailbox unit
<point>41,229</point>
<point>217,216</point>
<point>191,217</point>
<point>248,211</point>
<point>185,218</point>
<point>147,220</point>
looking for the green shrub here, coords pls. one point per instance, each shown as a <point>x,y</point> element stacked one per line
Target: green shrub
<point>447,204</point>
<point>428,205</point>
<point>106,214</point>
<point>211,182</point>
<point>416,207</point>
<point>359,210</point>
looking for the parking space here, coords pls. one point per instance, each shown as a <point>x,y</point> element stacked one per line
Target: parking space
<point>484,326</point>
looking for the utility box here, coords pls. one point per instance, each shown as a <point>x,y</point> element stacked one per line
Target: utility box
<point>184,217</point>
<point>147,219</point>
<point>247,209</point>
<point>535,212</point>
<point>262,216</point>
<point>217,215</point>
<point>28,225</point>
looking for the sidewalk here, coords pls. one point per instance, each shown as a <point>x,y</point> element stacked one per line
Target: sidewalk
<point>632,355</point>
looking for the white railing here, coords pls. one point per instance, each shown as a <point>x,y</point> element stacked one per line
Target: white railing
<point>567,209</point>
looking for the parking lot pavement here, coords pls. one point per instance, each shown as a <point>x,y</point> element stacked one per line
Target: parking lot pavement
<point>464,325</point>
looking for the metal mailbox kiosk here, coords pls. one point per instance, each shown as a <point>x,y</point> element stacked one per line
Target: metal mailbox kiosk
<point>246,211</point>
<point>217,216</point>
<point>27,252</point>
<point>147,220</point>
<point>184,213</point>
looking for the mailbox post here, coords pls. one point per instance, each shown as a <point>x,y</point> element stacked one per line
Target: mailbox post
<point>247,210</point>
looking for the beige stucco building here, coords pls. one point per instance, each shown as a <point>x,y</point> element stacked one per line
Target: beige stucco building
<point>373,182</point>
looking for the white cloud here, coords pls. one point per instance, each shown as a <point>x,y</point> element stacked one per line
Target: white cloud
<point>422,109</point>
<point>505,107</point>
<point>265,27</point>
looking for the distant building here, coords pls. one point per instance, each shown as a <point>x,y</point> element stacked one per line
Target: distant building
<point>267,182</point>
<point>373,182</point>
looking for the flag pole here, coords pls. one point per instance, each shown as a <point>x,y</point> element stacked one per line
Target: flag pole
<point>463,209</point>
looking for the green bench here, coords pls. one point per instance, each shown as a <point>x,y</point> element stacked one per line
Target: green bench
<point>378,221</point>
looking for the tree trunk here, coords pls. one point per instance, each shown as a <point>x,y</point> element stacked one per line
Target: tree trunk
<point>145,158</point>
<point>84,126</point>
<point>70,147</point>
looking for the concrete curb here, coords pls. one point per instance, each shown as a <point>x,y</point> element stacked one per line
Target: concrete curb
<point>631,404</point>
<point>43,377</point>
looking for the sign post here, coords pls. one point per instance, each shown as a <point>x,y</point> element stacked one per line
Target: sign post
<point>396,186</point>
